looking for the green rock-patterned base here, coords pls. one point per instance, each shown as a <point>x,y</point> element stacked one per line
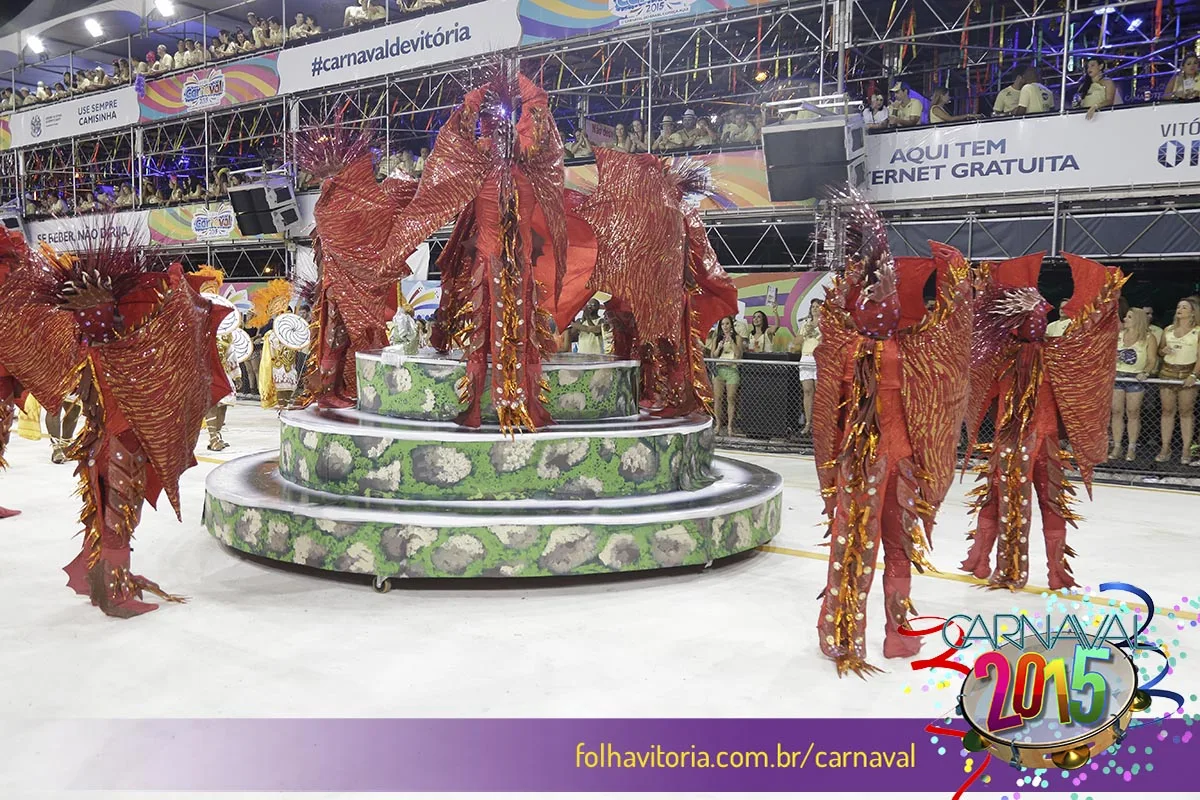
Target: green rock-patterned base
<point>582,387</point>
<point>250,508</point>
<point>348,453</point>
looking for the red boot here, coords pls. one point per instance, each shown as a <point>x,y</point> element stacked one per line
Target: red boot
<point>1057,553</point>
<point>895,643</point>
<point>7,512</point>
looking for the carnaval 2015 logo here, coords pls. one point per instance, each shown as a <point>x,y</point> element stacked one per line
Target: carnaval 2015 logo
<point>642,10</point>
<point>204,91</point>
<point>215,223</point>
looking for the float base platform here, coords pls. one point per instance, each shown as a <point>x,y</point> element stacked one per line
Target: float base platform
<point>251,508</point>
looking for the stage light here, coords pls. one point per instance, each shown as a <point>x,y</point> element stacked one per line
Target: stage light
<point>35,44</point>
<point>93,27</point>
<point>1100,12</point>
<point>165,7</point>
<point>1135,24</point>
<point>761,75</point>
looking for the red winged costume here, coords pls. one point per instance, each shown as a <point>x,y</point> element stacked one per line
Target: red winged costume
<point>1041,390</point>
<point>140,348</point>
<point>654,258</point>
<point>497,166</point>
<point>355,296</point>
<point>11,247</point>
<point>887,413</point>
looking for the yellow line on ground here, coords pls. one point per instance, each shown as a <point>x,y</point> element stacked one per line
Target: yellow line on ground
<point>210,460</point>
<point>971,579</point>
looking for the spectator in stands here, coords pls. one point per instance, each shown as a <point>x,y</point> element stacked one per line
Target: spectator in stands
<point>1059,326</point>
<point>419,167</point>
<point>274,33</point>
<point>705,135</point>
<point>805,343</point>
<point>298,30</point>
<point>27,99</point>
<point>174,190</point>
<point>1009,97</point>
<point>60,206</point>
<point>313,28</point>
<point>939,111</point>
<point>41,94</point>
<point>83,81</point>
<point>1154,329</point>
<point>219,186</point>
<point>1137,352</point>
<point>741,130</point>
<point>621,139</point>
<point>875,116</point>
<point>1035,98</point>
<point>688,132</point>
<point>362,13</point>
<point>760,338</point>
<point>1178,351</point>
<point>86,204</point>
<point>637,137</point>
<point>261,34</point>
<point>669,138</point>
<point>579,146</point>
<point>242,43</point>
<point>906,110</point>
<point>59,93</point>
<point>164,61</point>
<point>726,345</point>
<point>100,79</point>
<point>1097,92</point>
<point>196,53</point>
<point>183,59</point>
<point>1185,84</point>
<point>125,196</point>
<point>195,189</point>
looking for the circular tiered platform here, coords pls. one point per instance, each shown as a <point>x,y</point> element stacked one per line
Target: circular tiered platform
<point>400,491</point>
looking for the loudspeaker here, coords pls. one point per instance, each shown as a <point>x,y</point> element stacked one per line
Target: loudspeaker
<point>805,156</point>
<point>265,206</point>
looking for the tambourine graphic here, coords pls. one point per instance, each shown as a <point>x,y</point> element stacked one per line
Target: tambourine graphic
<point>1047,708</point>
<point>291,331</point>
<point>233,320</point>
<point>241,346</point>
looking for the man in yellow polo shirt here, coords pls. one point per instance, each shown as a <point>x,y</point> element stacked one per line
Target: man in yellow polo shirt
<point>906,110</point>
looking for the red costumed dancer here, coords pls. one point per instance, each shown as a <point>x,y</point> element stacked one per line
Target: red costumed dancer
<point>1040,389</point>
<point>888,409</point>
<point>655,259</point>
<point>12,245</point>
<point>497,166</point>
<point>141,348</point>
<point>355,296</point>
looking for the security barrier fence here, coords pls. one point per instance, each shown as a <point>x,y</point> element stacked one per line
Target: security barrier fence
<point>769,406</point>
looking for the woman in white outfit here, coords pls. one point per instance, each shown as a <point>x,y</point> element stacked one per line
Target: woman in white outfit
<point>805,343</point>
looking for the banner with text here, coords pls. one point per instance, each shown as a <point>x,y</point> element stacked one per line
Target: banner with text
<point>211,87</point>
<point>473,30</point>
<point>91,113</point>
<point>195,223</point>
<point>1136,146</point>
<point>545,20</point>
<point>79,233</point>
<point>739,179</point>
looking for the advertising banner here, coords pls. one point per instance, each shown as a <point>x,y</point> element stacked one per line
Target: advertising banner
<point>78,233</point>
<point>477,29</point>
<point>740,178</point>
<point>215,86</point>
<point>195,223</point>
<point>91,113</point>
<point>1136,146</point>
<point>545,20</point>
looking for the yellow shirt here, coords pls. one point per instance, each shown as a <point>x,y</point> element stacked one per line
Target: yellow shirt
<point>1180,351</point>
<point>1036,98</point>
<point>1057,328</point>
<point>1138,352</point>
<point>1007,101</point>
<point>908,111</point>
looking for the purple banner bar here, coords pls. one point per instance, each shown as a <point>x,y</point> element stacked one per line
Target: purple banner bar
<point>527,755</point>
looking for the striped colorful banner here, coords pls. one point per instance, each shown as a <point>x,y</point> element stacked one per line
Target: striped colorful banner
<point>546,20</point>
<point>194,223</point>
<point>218,86</point>
<point>5,133</point>
<point>740,178</point>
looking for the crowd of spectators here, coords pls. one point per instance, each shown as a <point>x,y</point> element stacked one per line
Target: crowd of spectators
<point>693,132</point>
